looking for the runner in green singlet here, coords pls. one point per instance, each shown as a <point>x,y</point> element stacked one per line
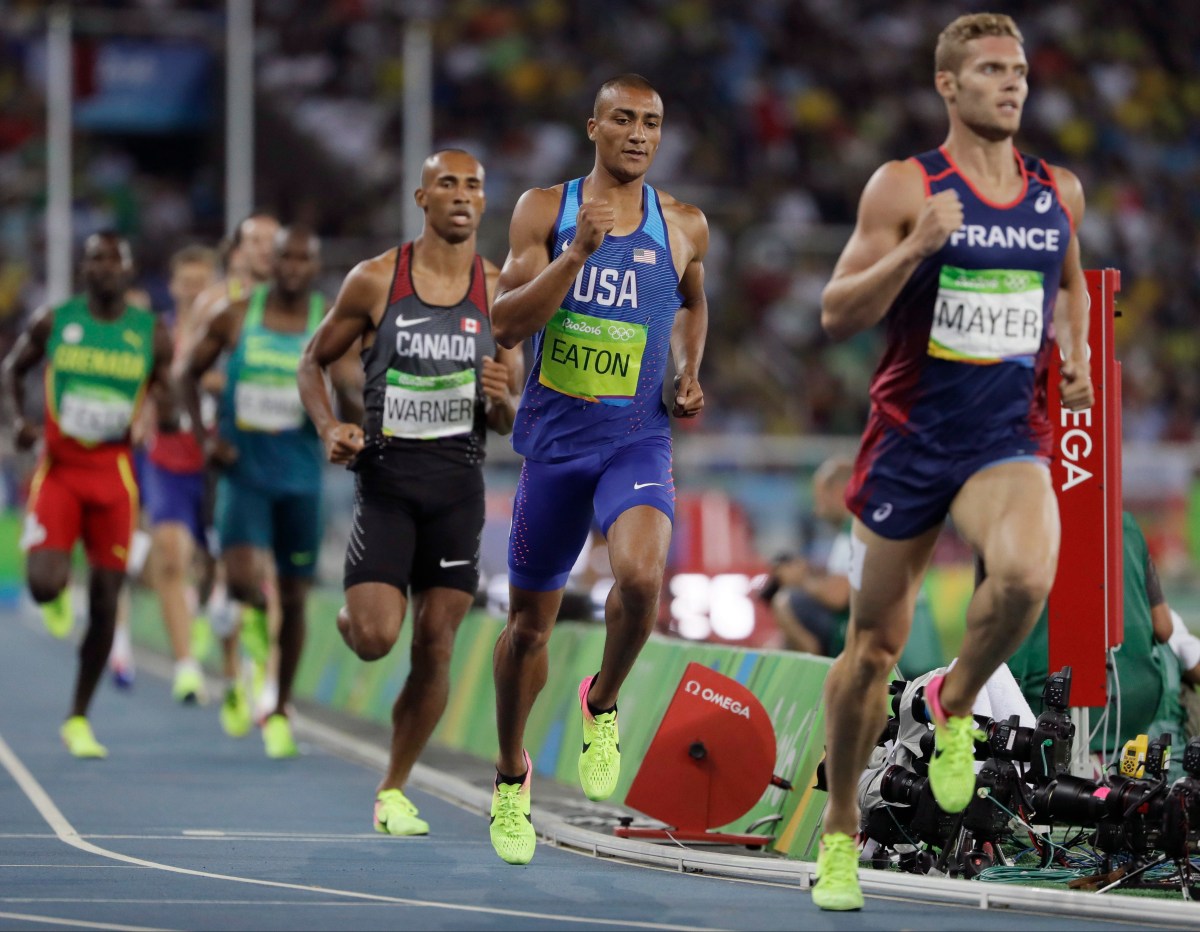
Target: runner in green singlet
<point>268,498</point>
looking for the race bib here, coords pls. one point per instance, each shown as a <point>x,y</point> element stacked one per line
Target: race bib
<point>986,316</point>
<point>94,415</point>
<point>592,358</point>
<point>268,407</point>
<point>424,407</point>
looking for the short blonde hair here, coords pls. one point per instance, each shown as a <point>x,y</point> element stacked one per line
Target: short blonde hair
<point>952,43</point>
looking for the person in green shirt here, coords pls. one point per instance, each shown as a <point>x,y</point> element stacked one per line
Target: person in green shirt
<point>1157,654</point>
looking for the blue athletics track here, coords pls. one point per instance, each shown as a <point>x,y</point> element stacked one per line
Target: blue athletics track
<point>183,828</point>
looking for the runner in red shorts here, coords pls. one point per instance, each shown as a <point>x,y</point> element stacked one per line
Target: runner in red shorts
<point>102,356</point>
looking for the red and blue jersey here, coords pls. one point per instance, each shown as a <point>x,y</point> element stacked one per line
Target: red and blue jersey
<point>968,336</point>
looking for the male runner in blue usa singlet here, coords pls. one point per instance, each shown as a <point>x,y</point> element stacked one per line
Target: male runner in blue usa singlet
<point>435,382</point>
<point>607,275</point>
<point>969,255</point>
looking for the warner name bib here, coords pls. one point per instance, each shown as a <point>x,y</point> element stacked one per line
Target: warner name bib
<point>986,316</point>
<point>268,406</point>
<point>94,415</point>
<point>592,358</point>
<point>424,407</point>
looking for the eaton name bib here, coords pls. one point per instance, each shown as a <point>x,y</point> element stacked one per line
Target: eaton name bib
<point>592,358</point>
<point>986,316</point>
<point>425,407</point>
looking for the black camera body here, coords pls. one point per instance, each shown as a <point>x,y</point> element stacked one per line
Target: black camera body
<point>1026,771</point>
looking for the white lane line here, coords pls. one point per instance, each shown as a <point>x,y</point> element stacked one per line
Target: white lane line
<point>77,923</point>
<point>67,833</point>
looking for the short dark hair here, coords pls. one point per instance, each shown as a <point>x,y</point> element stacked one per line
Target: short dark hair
<point>621,81</point>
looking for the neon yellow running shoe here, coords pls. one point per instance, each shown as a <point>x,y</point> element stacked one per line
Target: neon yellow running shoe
<point>952,767</point>
<point>836,885</point>
<point>511,827</point>
<point>600,760</point>
<point>395,815</point>
<point>77,736</point>
<point>277,737</point>
<point>58,614</point>
<point>256,635</point>
<point>235,712</point>
<point>188,686</point>
<point>201,638</point>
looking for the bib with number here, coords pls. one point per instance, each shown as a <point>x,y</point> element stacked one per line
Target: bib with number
<point>424,407</point>
<point>592,358</point>
<point>986,316</point>
<point>268,404</point>
<point>95,415</point>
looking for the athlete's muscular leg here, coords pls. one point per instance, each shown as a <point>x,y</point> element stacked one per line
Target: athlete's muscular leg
<point>171,563</point>
<point>370,620</point>
<point>881,611</point>
<point>293,594</point>
<point>638,542</point>
<point>245,573</point>
<point>47,572</point>
<point>437,614</point>
<point>1009,514</point>
<point>104,587</point>
<point>520,664</point>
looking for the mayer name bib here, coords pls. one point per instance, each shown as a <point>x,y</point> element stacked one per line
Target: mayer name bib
<point>986,316</point>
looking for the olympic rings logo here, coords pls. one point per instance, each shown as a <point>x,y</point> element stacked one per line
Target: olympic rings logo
<point>621,333</point>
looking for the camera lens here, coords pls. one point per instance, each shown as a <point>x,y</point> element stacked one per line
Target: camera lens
<point>900,785</point>
<point>1068,798</point>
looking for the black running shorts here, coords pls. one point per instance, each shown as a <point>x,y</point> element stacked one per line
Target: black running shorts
<point>415,527</point>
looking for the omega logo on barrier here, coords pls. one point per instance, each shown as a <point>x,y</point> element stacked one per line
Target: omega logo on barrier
<point>708,694</point>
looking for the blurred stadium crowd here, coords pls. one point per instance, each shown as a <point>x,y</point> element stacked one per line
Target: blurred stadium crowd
<point>776,114</point>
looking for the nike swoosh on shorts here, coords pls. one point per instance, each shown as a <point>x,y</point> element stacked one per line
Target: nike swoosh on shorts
<point>642,485</point>
<point>446,564</point>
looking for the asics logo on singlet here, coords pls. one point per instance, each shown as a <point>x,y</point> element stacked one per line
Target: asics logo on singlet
<point>883,512</point>
<point>580,327</point>
<point>1035,238</point>
<point>1043,202</point>
<point>617,332</point>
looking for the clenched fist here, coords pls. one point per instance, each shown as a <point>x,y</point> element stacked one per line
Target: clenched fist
<point>941,215</point>
<point>343,442</point>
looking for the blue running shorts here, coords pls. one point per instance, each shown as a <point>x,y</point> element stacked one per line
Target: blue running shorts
<point>901,487</point>
<point>175,496</point>
<point>556,503</point>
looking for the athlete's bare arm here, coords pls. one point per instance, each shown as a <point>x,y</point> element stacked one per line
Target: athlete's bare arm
<point>1071,308</point>
<point>356,313</point>
<point>531,286</point>
<point>897,227</point>
<point>501,377</point>
<point>160,387</point>
<point>688,227</point>
<point>218,333</point>
<point>27,352</point>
